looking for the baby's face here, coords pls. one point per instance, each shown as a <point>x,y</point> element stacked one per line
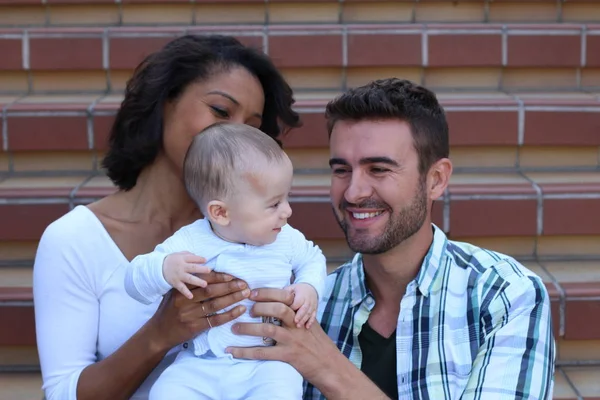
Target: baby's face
<point>261,208</point>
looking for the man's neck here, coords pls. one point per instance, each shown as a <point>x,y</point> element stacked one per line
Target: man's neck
<point>389,274</point>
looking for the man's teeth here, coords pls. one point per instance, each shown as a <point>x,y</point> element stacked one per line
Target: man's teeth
<point>366,215</point>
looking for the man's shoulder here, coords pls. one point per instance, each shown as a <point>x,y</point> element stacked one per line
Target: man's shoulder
<point>488,271</point>
<point>480,260</point>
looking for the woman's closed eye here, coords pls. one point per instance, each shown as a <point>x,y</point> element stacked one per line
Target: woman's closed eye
<point>220,112</point>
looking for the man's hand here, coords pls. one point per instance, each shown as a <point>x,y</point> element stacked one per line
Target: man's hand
<point>179,270</point>
<point>308,350</point>
<point>305,304</point>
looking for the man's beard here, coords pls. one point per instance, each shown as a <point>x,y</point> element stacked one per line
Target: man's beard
<point>400,226</point>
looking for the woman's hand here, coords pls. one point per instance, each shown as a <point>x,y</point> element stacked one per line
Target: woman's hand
<point>179,319</point>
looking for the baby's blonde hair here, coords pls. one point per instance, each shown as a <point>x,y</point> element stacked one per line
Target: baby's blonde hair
<point>220,154</point>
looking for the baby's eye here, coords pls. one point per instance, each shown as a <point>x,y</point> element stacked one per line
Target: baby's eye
<point>275,205</point>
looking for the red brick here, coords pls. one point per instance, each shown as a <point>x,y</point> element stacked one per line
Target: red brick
<point>28,221</point>
<point>296,1</point>
<point>306,50</point>
<point>154,1</point>
<point>65,53</point>
<point>255,42</point>
<point>483,128</point>
<point>312,134</point>
<point>20,2</point>
<point>18,326</point>
<point>544,50</point>
<point>571,216</point>
<point>384,50</point>
<point>61,2</point>
<point>582,302</point>
<point>47,133</point>
<point>555,310</point>
<point>36,192</point>
<point>592,52</point>
<point>568,128</point>
<point>437,213</point>
<point>128,52</point>
<point>102,127</point>
<point>315,220</point>
<point>470,218</point>
<point>65,2</point>
<point>476,50</point>
<point>12,58</point>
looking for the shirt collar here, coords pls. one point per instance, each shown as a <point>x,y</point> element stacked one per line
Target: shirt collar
<point>432,262</point>
<point>424,280</point>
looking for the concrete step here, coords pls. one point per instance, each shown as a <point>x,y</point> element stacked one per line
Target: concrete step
<point>573,383</point>
<point>535,205</point>
<point>573,286</point>
<point>516,57</point>
<point>490,131</point>
<point>20,386</point>
<point>177,12</point>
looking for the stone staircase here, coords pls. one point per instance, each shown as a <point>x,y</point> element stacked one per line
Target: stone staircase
<point>520,81</point>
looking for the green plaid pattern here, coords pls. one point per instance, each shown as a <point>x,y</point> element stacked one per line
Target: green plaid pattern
<point>474,324</point>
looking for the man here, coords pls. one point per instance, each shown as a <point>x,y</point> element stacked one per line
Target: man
<point>413,315</point>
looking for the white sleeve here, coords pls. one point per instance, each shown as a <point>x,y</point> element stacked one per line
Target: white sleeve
<point>144,279</point>
<point>66,311</point>
<point>308,262</point>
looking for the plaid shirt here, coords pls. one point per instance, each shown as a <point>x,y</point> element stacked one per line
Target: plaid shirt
<point>474,324</point>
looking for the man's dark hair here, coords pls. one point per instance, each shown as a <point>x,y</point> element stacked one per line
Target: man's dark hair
<point>397,99</point>
<point>137,133</point>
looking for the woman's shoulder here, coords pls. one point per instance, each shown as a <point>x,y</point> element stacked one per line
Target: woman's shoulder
<point>78,229</point>
<point>80,222</point>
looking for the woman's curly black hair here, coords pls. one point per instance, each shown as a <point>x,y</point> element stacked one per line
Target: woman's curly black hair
<point>136,137</point>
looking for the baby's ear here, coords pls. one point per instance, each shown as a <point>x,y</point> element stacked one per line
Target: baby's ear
<point>217,213</point>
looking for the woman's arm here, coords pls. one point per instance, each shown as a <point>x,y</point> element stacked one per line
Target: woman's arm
<point>177,320</point>
<point>67,314</point>
<point>310,351</point>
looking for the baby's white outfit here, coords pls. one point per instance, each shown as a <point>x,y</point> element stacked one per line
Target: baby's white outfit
<point>205,371</point>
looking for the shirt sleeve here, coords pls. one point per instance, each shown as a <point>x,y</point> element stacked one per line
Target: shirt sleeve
<point>308,262</point>
<point>144,279</point>
<point>66,311</point>
<point>516,360</point>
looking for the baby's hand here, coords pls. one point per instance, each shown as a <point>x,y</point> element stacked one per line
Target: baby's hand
<point>305,303</point>
<point>178,269</point>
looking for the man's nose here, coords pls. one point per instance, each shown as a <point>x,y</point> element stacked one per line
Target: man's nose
<point>358,190</point>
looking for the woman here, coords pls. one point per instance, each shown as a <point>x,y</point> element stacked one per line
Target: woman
<point>94,341</point>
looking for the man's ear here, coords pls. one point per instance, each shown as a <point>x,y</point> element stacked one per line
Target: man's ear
<point>217,213</point>
<point>438,178</point>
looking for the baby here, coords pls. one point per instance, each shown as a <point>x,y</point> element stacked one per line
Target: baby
<point>240,178</point>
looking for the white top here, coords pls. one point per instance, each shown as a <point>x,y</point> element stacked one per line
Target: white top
<point>82,312</point>
<point>270,265</point>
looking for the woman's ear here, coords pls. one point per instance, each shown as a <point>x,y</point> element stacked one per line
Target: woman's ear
<point>217,213</point>
<point>438,178</point>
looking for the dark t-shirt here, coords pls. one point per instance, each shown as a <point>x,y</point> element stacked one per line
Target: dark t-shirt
<point>379,359</point>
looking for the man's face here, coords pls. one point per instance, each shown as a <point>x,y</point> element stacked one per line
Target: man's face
<point>378,196</point>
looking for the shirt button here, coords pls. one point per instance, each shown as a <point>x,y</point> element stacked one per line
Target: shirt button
<point>185,345</point>
<point>369,301</point>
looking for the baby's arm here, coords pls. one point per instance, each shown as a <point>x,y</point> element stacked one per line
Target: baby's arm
<point>310,270</point>
<point>150,276</point>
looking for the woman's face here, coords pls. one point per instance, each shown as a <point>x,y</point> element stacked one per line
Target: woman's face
<point>234,96</point>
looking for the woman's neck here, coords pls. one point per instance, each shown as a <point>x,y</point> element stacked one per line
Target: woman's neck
<point>158,196</point>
